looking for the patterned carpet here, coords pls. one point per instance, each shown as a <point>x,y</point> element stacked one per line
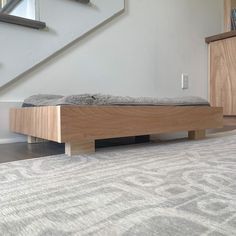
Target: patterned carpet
<point>176,188</point>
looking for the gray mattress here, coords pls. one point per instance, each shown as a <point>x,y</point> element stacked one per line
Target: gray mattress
<point>106,100</point>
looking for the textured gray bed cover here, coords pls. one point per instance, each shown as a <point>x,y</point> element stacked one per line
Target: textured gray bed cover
<point>106,100</point>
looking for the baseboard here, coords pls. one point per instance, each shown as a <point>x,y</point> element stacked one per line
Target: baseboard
<point>13,140</point>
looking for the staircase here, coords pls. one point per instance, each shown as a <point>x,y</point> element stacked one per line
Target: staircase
<point>67,21</point>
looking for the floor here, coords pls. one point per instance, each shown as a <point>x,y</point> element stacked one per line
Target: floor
<point>171,188</point>
<point>22,151</point>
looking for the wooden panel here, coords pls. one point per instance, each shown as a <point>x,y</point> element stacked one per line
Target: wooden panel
<point>197,134</point>
<point>233,4</point>
<point>227,14</point>
<point>218,37</point>
<point>230,121</point>
<point>120,121</point>
<point>80,147</point>
<point>33,140</point>
<point>223,75</point>
<point>40,122</point>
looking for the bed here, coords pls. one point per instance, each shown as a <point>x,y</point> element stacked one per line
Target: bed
<point>79,124</point>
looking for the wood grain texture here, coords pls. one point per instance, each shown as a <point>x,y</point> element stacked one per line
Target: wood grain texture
<point>91,123</point>
<point>197,134</point>
<point>33,140</point>
<point>229,121</point>
<point>40,122</point>
<point>223,75</point>
<point>78,127</point>
<point>80,147</point>
<point>227,15</point>
<point>218,37</point>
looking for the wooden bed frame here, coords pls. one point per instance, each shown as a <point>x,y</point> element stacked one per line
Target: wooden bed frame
<point>79,126</point>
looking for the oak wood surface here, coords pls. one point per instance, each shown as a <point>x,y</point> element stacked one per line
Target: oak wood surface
<point>80,147</point>
<point>40,122</point>
<point>230,121</point>
<point>223,75</point>
<point>197,134</point>
<point>33,140</point>
<point>227,15</point>
<point>121,121</point>
<point>80,126</point>
<point>218,37</point>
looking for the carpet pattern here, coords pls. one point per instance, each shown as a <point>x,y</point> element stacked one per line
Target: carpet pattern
<point>175,188</point>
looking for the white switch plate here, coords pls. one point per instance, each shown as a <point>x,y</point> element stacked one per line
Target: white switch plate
<point>185,81</point>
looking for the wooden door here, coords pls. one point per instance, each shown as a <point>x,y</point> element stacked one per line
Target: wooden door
<point>223,75</point>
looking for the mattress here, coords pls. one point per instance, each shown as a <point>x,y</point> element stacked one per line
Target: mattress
<point>110,100</point>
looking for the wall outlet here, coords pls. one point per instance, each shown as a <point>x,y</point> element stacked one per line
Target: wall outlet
<point>185,81</point>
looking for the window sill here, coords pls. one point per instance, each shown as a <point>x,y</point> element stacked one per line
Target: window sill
<point>22,21</point>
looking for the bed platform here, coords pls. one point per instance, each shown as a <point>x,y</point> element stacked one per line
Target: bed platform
<point>79,126</point>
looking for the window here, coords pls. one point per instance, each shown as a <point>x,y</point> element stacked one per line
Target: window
<point>21,12</point>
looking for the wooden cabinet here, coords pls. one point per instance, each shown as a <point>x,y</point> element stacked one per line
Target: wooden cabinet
<point>222,76</point>
<point>222,67</point>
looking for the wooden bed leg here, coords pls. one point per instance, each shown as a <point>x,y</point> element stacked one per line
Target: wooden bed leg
<point>80,147</point>
<point>33,140</point>
<point>197,134</point>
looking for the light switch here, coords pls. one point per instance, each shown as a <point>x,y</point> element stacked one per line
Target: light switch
<point>185,81</point>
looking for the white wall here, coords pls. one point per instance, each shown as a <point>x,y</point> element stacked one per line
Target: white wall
<point>22,48</point>
<point>141,53</point>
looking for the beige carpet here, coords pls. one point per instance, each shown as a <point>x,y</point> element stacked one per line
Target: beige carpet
<point>177,188</point>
